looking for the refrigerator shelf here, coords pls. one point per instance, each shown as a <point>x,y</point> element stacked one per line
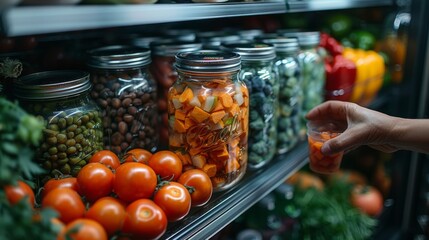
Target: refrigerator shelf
<point>224,207</point>
<point>35,20</point>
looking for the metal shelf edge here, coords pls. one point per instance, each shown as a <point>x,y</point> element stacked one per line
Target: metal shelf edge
<point>226,206</point>
<point>30,20</point>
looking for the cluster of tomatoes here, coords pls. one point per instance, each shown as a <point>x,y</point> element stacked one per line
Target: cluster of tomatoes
<point>135,198</point>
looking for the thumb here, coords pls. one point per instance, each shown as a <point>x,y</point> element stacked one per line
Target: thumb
<point>338,144</point>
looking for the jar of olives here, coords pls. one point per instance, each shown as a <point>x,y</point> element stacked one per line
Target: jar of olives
<point>126,93</point>
<point>73,124</point>
<point>288,72</point>
<point>258,74</point>
<point>163,56</point>
<point>208,115</point>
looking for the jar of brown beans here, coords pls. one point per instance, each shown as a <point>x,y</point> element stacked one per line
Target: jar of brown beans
<point>126,93</point>
<point>73,123</point>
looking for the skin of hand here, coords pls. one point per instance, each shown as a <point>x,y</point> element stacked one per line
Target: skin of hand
<point>364,127</point>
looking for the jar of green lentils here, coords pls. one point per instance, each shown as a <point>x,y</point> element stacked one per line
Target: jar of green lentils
<point>257,72</point>
<point>313,71</point>
<point>288,71</point>
<point>73,124</point>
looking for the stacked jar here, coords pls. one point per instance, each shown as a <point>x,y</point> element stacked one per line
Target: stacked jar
<point>73,122</point>
<point>213,40</point>
<point>258,74</point>
<point>208,110</point>
<point>288,71</point>
<point>163,56</point>
<point>126,93</point>
<point>313,72</point>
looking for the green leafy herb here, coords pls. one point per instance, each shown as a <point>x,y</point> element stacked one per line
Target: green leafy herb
<point>20,133</point>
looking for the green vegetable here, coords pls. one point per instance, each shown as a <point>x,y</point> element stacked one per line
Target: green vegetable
<point>363,39</point>
<point>20,133</point>
<point>17,221</point>
<point>339,25</point>
<point>329,214</point>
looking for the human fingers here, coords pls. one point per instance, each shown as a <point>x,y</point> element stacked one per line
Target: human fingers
<point>336,110</point>
<point>346,141</point>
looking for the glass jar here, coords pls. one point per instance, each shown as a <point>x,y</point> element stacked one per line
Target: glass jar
<point>213,40</point>
<point>126,93</point>
<point>313,72</point>
<point>162,69</point>
<point>73,123</point>
<point>258,74</point>
<point>208,110</point>
<point>288,71</point>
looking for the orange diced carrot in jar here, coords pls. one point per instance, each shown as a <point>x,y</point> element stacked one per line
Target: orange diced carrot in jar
<point>179,115</point>
<point>226,100</point>
<point>179,126</point>
<point>215,117</point>
<point>210,169</point>
<point>186,95</point>
<point>199,115</point>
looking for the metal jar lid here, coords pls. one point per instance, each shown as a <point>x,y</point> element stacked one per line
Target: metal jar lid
<point>252,51</point>
<point>250,34</point>
<point>281,44</point>
<point>208,61</point>
<point>119,56</point>
<point>52,84</point>
<point>172,47</point>
<point>304,38</point>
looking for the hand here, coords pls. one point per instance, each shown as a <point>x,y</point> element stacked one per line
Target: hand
<point>364,127</point>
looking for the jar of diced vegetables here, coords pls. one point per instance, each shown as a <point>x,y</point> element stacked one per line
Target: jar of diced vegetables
<point>73,124</point>
<point>313,72</point>
<point>208,110</point>
<point>288,72</point>
<point>126,92</point>
<point>258,74</point>
<point>163,58</point>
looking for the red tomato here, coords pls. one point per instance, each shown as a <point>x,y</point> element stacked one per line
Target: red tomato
<point>145,220</point>
<point>134,181</point>
<point>138,155</point>
<point>174,199</point>
<point>70,182</point>
<point>109,212</point>
<point>83,229</point>
<point>200,184</point>
<point>368,199</point>
<point>107,158</point>
<point>66,202</point>
<point>15,193</point>
<point>166,164</point>
<point>95,181</point>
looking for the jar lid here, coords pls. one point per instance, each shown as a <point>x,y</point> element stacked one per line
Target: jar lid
<point>119,56</point>
<point>172,47</point>
<point>144,42</point>
<point>216,39</point>
<point>181,34</point>
<point>208,61</point>
<point>52,84</point>
<point>252,51</point>
<point>250,34</point>
<point>304,38</point>
<point>281,44</point>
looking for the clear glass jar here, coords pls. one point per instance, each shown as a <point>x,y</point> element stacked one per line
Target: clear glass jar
<point>73,123</point>
<point>288,71</point>
<point>164,73</point>
<point>208,110</point>
<point>126,93</point>
<point>257,72</point>
<point>313,72</point>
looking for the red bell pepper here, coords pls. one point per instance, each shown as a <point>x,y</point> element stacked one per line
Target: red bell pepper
<point>330,44</point>
<point>340,78</point>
